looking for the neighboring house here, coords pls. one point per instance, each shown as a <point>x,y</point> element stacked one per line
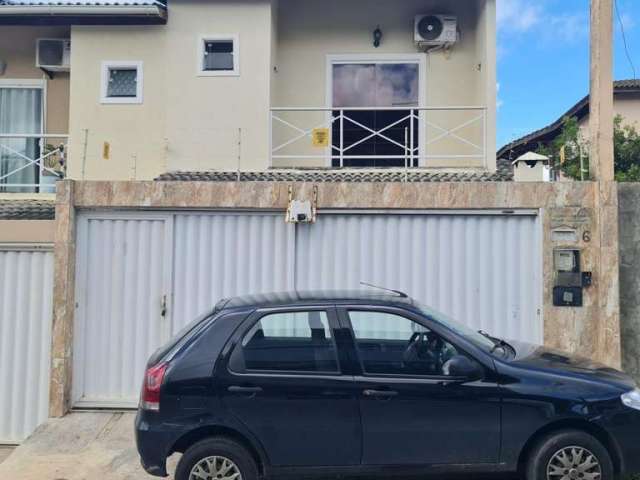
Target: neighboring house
<point>142,88</point>
<point>626,104</point>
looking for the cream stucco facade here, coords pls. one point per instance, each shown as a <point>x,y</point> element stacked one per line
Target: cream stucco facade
<point>18,51</point>
<point>186,121</point>
<point>18,54</point>
<point>625,105</point>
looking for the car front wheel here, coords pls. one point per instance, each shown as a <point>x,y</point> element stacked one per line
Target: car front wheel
<point>216,459</point>
<point>569,455</point>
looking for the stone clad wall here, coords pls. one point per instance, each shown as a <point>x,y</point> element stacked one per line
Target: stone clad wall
<point>589,209</point>
<point>629,217</point>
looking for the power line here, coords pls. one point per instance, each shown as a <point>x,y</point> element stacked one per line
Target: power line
<point>624,39</point>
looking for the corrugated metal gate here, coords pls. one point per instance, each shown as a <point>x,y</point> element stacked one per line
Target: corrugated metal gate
<point>481,268</point>
<point>123,286</point>
<point>26,292</point>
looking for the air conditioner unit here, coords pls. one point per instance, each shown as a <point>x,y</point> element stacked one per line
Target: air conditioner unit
<point>53,54</point>
<point>435,30</point>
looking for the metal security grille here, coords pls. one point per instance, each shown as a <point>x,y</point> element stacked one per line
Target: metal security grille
<point>26,291</point>
<point>482,269</point>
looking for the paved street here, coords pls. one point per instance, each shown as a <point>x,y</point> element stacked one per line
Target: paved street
<point>80,446</point>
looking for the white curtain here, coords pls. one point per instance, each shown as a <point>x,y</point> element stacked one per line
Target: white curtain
<point>20,113</point>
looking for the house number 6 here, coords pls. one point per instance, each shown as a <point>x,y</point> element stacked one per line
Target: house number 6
<point>586,236</point>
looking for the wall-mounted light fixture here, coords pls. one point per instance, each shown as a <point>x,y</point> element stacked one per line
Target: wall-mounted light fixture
<point>3,67</point>
<point>377,37</point>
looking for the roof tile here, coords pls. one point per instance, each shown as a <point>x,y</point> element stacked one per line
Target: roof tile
<point>320,175</point>
<point>27,209</point>
<point>96,3</point>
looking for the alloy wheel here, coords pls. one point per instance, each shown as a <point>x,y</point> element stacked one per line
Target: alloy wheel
<point>574,463</point>
<point>215,468</point>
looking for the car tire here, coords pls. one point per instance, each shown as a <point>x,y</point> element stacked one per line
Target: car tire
<point>556,451</point>
<point>201,455</point>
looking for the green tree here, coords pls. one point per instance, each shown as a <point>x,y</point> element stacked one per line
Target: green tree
<point>626,146</point>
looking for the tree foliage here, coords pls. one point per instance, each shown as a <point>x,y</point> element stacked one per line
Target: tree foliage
<point>626,146</point>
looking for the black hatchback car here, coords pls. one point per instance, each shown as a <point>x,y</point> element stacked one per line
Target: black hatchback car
<point>354,383</point>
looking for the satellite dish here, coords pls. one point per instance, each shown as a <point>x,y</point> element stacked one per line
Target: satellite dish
<point>430,28</point>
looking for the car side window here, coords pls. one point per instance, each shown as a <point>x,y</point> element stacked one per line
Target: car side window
<point>288,342</point>
<point>390,344</point>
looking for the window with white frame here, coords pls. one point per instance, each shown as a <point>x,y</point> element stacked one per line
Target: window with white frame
<point>218,55</point>
<point>121,82</point>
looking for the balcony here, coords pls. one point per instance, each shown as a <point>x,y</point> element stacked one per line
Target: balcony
<point>375,137</point>
<point>31,163</point>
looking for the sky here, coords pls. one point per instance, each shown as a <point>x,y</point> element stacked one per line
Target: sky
<point>543,59</point>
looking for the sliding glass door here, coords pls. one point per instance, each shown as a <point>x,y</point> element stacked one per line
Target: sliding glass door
<point>376,126</point>
<point>21,112</point>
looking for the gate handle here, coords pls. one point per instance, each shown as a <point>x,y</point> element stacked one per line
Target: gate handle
<point>163,306</point>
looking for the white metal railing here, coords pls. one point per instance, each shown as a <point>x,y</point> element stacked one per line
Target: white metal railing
<point>424,140</point>
<point>49,159</point>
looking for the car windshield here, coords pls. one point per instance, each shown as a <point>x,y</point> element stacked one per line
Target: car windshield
<point>479,339</point>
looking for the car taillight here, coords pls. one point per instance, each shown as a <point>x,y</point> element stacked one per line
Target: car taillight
<point>150,396</point>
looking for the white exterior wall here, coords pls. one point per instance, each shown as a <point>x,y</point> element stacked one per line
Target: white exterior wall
<point>186,121</point>
<point>309,31</point>
<point>26,291</point>
<point>189,122</point>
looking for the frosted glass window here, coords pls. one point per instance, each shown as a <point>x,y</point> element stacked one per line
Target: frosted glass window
<point>123,82</point>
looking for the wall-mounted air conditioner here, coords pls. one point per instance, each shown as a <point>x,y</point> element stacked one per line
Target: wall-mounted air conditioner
<point>53,54</point>
<point>435,30</point>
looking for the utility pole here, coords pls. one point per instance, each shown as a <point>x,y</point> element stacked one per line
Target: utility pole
<point>606,258</point>
<point>601,96</point>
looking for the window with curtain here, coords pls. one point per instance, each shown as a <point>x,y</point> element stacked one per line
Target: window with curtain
<point>20,113</point>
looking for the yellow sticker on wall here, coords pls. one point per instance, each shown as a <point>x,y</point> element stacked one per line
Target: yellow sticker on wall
<point>320,137</point>
<point>106,151</point>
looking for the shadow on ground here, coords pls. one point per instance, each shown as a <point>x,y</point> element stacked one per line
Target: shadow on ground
<point>87,446</point>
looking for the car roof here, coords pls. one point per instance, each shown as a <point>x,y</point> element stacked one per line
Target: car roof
<point>316,297</point>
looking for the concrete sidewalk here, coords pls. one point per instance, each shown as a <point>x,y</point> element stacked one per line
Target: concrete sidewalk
<point>80,446</point>
<point>5,452</point>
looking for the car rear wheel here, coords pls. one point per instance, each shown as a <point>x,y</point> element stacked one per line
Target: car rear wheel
<point>569,455</point>
<point>216,459</point>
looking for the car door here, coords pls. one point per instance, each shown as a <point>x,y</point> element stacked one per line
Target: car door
<point>284,382</point>
<point>411,413</point>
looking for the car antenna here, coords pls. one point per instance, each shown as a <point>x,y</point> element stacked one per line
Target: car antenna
<point>397,292</point>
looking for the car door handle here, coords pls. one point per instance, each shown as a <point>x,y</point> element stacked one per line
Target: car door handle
<point>380,393</point>
<point>245,390</point>
<point>335,393</point>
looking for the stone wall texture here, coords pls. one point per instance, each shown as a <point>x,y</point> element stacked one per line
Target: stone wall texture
<point>588,209</point>
<point>629,217</point>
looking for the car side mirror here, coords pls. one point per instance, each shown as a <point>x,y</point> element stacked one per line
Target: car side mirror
<point>462,367</point>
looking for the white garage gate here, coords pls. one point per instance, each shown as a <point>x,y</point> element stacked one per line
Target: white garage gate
<point>26,293</point>
<point>141,277</point>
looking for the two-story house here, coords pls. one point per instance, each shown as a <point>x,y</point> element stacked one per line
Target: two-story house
<point>358,98</point>
<point>132,90</point>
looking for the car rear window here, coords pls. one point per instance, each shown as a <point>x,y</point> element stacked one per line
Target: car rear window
<point>182,336</point>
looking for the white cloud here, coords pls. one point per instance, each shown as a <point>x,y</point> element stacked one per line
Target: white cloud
<point>517,16</point>
<point>567,27</point>
<point>523,18</point>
